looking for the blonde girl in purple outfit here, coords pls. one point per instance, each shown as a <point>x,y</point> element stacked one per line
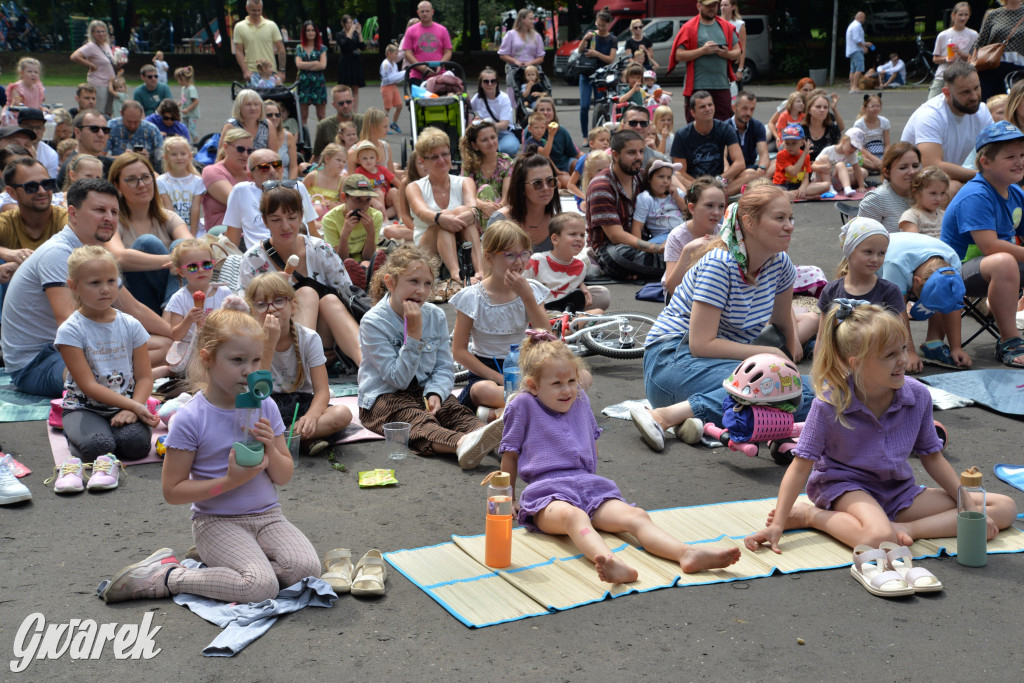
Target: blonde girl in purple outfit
<point>564,494</point>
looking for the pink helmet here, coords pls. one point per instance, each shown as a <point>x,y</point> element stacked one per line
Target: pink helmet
<point>766,378</point>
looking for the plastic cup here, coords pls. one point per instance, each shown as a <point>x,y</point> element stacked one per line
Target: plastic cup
<point>396,439</point>
<point>293,448</point>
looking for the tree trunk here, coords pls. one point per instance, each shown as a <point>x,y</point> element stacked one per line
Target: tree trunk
<point>472,35</point>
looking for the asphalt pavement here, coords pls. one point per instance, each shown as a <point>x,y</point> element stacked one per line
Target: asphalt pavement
<point>55,550</point>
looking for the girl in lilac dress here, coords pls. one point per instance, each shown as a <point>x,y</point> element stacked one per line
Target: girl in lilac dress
<point>563,493</point>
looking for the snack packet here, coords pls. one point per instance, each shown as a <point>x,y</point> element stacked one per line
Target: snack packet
<point>377,478</point>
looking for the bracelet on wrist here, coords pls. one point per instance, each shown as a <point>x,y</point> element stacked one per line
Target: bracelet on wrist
<point>437,218</point>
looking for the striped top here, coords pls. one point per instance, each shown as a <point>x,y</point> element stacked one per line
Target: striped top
<point>885,206</point>
<point>716,280</point>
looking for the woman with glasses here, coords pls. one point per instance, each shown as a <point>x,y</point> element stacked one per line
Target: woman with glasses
<point>532,199</point>
<point>167,119</point>
<point>489,104</point>
<point>318,277</point>
<point>289,158</point>
<point>522,46</point>
<point>443,208</point>
<point>486,165</point>
<point>248,113</point>
<point>146,232</point>
<point>229,170</point>
<point>98,56</point>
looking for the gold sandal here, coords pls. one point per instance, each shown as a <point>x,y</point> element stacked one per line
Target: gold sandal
<point>338,570</point>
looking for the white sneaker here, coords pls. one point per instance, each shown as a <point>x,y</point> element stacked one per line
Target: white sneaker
<point>11,490</point>
<point>849,191</point>
<point>690,431</point>
<point>649,428</point>
<point>479,443</point>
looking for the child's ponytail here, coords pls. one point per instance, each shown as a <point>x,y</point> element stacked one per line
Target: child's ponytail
<point>539,348</point>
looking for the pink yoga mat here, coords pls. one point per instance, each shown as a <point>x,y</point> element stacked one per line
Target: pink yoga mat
<point>355,432</point>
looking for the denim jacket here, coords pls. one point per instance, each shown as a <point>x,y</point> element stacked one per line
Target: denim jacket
<point>389,365</point>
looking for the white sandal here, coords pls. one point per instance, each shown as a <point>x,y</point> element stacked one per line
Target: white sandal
<point>901,561</point>
<point>869,568</point>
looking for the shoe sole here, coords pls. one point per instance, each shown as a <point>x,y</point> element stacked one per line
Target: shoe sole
<point>650,438</point>
<point>18,498</point>
<point>489,439</point>
<point>68,490</point>
<point>319,447</point>
<point>690,431</point>
<point>161,554</point>
<point>102,487</point>
<point>941,364</point>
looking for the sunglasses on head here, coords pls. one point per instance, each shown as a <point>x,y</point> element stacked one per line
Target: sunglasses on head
<point>267,165</point>
<point>31,187</point>
<point>96,129</point>
<point>193,268</point>
<point>271,184</point>
<point>540,183</point>
<point>638,124</point>
<point>244,150</point>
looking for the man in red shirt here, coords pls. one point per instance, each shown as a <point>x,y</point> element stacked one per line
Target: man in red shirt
<point>707,45</point>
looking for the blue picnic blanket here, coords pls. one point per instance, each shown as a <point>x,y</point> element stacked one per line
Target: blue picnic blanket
<point>1001,389</point>
<point>16,406</point>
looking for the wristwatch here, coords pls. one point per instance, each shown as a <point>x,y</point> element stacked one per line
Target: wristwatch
<point>437,218</point>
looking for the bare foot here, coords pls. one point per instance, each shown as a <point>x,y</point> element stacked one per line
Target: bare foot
<point>611,569</point>
<point>656,416</point>
<point>902,537</point>
<point>799,517</point>
<point>696,558</point>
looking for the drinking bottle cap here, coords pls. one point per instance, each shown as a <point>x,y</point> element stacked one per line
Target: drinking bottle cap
<point>497,479</point>
<point>971,477</point>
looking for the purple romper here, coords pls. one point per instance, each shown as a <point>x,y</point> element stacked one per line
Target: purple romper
<point>872,454</point>
<point>557,456</point>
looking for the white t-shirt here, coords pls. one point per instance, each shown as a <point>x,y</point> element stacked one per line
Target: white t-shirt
<point>834,156</point>
<point>243,211</point>
<point>854,37</point>
<point>181,302</point>
<point>284,367</point>
<point>659,215</point>
<point>559,277</point>
<point>496,327</point>
<point>501,106</point>
<point>108,348</point>
<point>964,40</point>
<point>48,158</point>
<point>322,264</point>
<point>183,193</point>
<point>899,67</point>
<point>934,122</point>
<point>874,138</point>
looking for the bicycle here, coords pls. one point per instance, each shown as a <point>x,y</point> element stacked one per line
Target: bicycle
<point>620,336</point>
<point>920,67</point>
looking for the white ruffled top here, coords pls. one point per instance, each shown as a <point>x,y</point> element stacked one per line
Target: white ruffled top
<point>496,327</point>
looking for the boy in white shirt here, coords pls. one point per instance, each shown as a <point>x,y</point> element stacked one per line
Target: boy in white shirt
<point>562,271</point>
<point>390,77</point>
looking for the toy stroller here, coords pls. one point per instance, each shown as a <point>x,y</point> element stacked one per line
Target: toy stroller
<point>764,392</point>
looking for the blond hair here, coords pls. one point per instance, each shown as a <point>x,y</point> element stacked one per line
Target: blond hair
<point>231,137</point>
<point>82,255</point>
<point>29,61</point>
<point>219,326</point>
<point>330,150</point>
<point>191,244</point>
<point>926,176</point>
<point>267,287</point>
<point>534,355</point>
<point>172,140</point>
<point>590,166</point>
<point>371,117</point>
<point>503,236</point>
<point>400,261</point>
<point>430,139</point>
<point>660,112</point>
<point>865,332</point>
<point>241,99</point>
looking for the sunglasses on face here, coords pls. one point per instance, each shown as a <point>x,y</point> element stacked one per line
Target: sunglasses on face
<point>135,181</point>
<point>267,165</point>
<point>638,124</point>
<point>489,81</point>
<point>244,150</point>
<point>540,183</point>
<point>275,305</point>
<point>342,103</point>
<point>150,75</point>
<point>167,119</point>
<point>193,268</point>
<point>271,184</point>
<point>96,130</point>
<point>513,256</point>
<point>273,115</point>
<point>31,187</point>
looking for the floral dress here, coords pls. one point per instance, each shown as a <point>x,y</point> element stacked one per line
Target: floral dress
<point>312,85</point>
<point>489,188</point>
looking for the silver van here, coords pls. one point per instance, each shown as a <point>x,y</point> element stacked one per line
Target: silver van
<point>662,31</point>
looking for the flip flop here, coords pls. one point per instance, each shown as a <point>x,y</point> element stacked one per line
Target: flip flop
<point>371,573</point>
<point>869,568</point>
<point>902,562</point>
<point>338,569</point>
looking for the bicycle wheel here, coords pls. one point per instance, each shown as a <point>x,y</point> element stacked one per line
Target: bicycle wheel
<point>919,72</point>
<point>461,374</point>
<point>624,342</point>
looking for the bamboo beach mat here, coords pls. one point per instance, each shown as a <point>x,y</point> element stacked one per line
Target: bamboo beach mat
<point>548,574</point>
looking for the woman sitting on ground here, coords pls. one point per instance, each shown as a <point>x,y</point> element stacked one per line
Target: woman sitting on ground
<point>532,198</point>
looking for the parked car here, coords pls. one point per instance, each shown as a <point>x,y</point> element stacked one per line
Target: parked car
<point>886,16</point>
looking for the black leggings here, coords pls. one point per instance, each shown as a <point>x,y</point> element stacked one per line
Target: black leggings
<point>90,435</point>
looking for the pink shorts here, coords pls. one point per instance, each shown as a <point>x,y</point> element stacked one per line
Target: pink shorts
<point>392,97</point>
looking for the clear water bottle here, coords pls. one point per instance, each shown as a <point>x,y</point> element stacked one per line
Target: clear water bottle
<point>971,521</point>
<point>498,528</point>
<point>510,371</point>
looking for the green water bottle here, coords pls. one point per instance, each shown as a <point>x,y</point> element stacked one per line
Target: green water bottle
<point>971,521</point>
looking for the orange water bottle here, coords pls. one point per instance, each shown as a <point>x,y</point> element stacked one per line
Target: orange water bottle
<point>498,530</point>
<point>950,52</point>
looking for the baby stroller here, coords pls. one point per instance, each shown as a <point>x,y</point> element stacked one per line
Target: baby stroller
<point>288,98</point>
<point>515,80</point>
<point>429,106</point>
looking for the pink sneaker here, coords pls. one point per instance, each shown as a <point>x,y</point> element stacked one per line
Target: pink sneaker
<point>105,474</point>
<point>70,478</point>
<point>144,579</point>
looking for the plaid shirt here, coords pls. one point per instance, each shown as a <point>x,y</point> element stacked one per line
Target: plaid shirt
<point>608,204</point>
<point>122,140</point>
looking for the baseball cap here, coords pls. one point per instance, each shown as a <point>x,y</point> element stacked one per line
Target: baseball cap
<point>943,292</point>
<point>357,185</point>
<point>8,131</point>
<point>361,145</point>
<point>1000,131</point>
<point>856,136</point>
<point>30,114</point>
<point>650,74</point>
<point>792,133</point>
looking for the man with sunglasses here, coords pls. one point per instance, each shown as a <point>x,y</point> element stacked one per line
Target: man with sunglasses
<point>130,133</point>
<point>701,146</point>
<point>327,129</point>
<point>638,118</point>
<point>33,119</point>
<point>242,216</point>
<point>92,133</point>
<point>152,91</point>
<point>611,199</point>
<point>34,220</point>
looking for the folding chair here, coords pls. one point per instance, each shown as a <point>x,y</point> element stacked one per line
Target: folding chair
<point>847,210</point>
<point>977,308</point>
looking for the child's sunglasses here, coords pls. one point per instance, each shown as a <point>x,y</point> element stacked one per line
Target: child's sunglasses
<point>193,268</point>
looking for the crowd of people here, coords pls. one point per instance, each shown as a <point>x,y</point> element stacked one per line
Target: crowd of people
<point>110,239</point>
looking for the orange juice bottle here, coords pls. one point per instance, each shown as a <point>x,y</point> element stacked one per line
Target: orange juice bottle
<point>950,52</point>
<point>498,529</point>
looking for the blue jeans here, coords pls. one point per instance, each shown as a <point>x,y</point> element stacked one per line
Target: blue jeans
<point>508,142</point>
<point>43,376</point>
<point>586,93</point>
<point>153,288</point>
<point>672,374</point>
